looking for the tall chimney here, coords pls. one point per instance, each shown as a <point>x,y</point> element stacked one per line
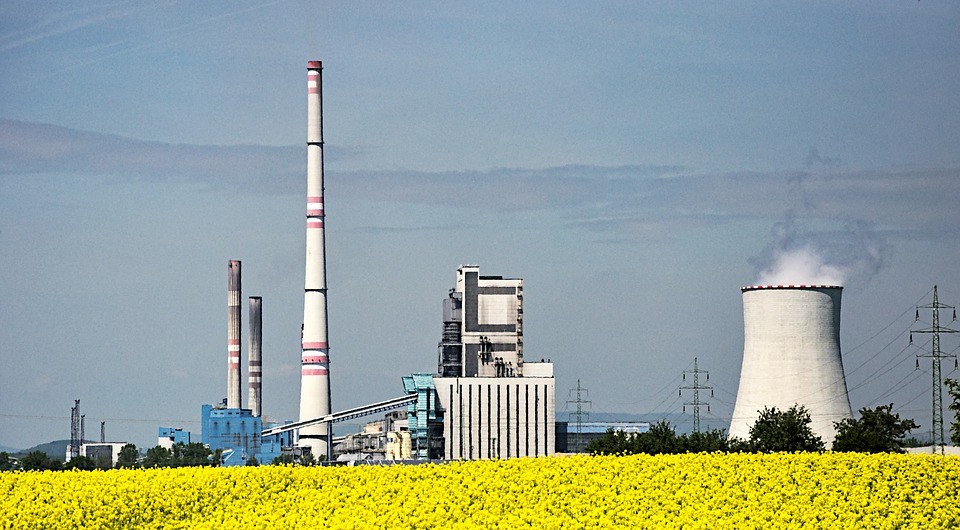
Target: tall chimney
<point>233,334</point>
<point>315,362</point>
<point>256,345</point>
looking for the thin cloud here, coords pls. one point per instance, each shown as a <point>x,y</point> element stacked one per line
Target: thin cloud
<point>633,201</point>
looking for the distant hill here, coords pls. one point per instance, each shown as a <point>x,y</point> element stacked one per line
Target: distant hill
<point>56,450</point>
<point>8,449</point>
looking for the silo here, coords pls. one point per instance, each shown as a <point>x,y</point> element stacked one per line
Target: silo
<point>791,355</point>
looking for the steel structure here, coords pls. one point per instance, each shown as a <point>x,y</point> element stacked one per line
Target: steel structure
<point>344,415</point>
<point>936,355</point>
<point>696,387</point>
<point>314,358</point>
<point>791,356</point>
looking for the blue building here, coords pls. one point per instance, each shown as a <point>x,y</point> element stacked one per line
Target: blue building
<point>236,432</point>
<point>426,428</point>
<point>167,437</point>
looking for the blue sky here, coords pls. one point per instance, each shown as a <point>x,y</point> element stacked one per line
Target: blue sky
<point>635,163</point>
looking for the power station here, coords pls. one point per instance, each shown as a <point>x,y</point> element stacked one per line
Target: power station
<point>791,356</point>
<point>486,400</point>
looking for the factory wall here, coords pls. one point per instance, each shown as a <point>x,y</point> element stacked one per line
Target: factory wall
<point>497,417</point>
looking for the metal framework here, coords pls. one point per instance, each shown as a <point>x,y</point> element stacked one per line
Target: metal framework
<point>696,387</point>
<point>344,415</point>
<point>580,414</point>
<point>936,356</point>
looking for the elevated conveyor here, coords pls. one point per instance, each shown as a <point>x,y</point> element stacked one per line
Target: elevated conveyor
<point>345,415</point>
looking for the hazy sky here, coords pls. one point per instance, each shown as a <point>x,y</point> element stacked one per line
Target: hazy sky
<point>634,163</point>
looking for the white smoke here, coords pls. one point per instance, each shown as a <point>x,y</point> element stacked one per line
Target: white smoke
<point>801,266</point>
<point>798,255</point>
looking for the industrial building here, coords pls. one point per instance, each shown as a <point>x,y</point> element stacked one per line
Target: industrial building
<point>167,437</point>
<point>491,403</point>
<point>103,454</point>
<point>791,356</point>
<point>574,438</point>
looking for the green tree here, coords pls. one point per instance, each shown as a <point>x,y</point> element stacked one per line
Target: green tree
<point>282,459</point>
<point>953,387</point>
<point>7,463</point>
<point>157,457</point>
<point>611,443</point>
<point>252,461</point>
<point>38,461</point>
<point>83,463</point>
<point>703,442</point>
<point>877,431</point>
<point>789,430</point>
<point>191,455</point>
<point>128,456</point>
<point>660,439</point>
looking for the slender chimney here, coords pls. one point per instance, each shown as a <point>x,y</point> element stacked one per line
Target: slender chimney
<point>315,363</point>
<point>256,344</point>
<point>233,334</point>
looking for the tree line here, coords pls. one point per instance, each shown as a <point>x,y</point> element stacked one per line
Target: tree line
<point>877,430</point>
<point>180,455</point>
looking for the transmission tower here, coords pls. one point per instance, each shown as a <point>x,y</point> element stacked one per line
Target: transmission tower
<point>936,356</point>
<point>696,387</point>
<point>75,429</point>
<point>580,413</point>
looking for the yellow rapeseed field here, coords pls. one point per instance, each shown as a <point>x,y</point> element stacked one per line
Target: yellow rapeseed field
<point>831,490</point>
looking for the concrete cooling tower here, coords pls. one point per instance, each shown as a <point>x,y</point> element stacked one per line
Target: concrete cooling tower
<point>791,355</point>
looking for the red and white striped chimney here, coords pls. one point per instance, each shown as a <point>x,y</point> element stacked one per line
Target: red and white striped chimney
<point>255,335</point>
<point>233,334</point>
<point>315,360</point>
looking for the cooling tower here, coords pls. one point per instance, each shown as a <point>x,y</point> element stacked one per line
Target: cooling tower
<point>791,355</point>
<point>314,359</point>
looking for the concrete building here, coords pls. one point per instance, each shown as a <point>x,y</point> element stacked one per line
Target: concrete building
<point>104,454</point>
<point>498,417</point>
<point>491,403</point>
<point>791,356</point>
<point>483,326</point>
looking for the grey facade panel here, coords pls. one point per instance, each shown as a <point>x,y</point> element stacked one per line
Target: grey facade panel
<point>470,302</point>
<point>498,290</point>
<point>496,328</point>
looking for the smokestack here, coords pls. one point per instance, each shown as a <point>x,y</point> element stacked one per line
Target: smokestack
<point>314,359</point>
<point>256,343</point>
<point>233,334</point>
<point>791,356</point>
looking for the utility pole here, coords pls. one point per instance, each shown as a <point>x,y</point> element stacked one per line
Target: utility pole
<point>103,431</point>
<point>697,387</point>
<point>580,414</point>
<point>936,355</point>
